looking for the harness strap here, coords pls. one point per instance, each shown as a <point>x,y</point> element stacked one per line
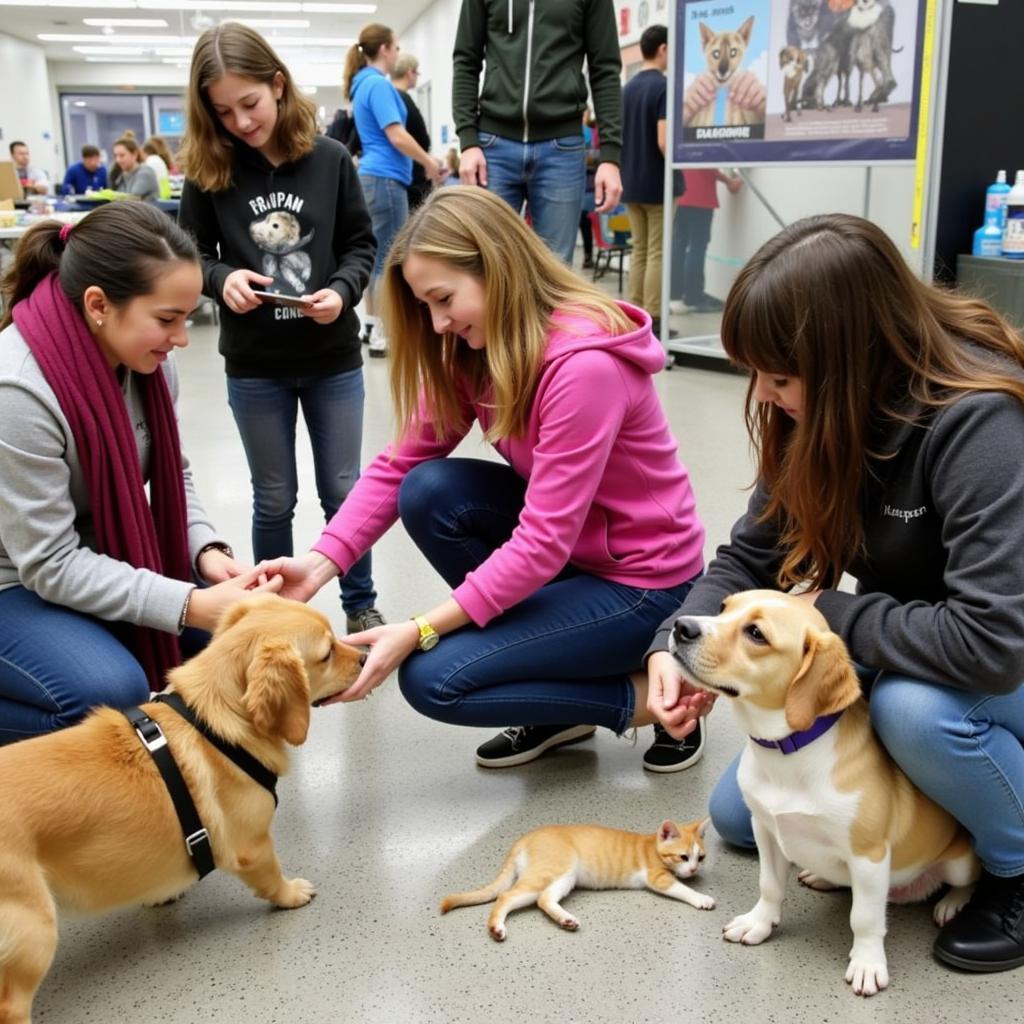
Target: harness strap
<point>197,839</point>
<point>252,767</point>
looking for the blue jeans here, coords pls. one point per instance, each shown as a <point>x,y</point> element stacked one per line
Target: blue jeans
<point>964,750</point>
<point>562,656</point>
<point>549,175</point>
<point>388,203</point>
<point>691,233</point>
<point>56,664</point>
<point>266,411</point>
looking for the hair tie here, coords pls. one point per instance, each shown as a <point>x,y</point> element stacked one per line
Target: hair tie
<point>65,230</point>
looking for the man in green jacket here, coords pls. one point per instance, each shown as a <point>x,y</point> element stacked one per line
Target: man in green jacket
<point>521,134</point>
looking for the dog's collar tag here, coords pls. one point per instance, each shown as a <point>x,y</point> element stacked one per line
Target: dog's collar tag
<point>797,740</point>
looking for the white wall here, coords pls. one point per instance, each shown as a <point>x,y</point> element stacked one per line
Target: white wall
<point>26,110</point>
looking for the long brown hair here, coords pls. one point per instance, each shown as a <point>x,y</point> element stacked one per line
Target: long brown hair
<point>477,233</point>
<point>156,146</point>
<point>122,248</point>
<point>364,50</point>
<point>831,301</point>
<point>207,152</point>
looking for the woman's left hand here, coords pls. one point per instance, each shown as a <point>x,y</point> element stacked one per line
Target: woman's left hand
<point>389,646</point>
<point>216,566</point>
<point>324,307</point>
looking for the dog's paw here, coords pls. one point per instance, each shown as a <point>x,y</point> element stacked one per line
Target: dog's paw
<point>951,904</point>
<point>867,977</point>
<point>498,932</point>
<point>816,882</point>
<point>295,893</point>
<point>750,929</point>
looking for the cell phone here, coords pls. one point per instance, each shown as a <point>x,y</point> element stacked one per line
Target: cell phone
<point>282,300</point>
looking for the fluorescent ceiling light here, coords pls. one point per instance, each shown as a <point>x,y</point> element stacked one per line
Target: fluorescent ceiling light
<point>117,60</point>
<point>125,38</point>
<point>81,103</point>
<point>125,22</point>
<point>318,8</point>
<point>173,51</point>
<point>106,51</point>
<point>272,22</point>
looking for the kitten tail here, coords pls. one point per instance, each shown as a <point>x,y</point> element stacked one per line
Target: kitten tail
<point>503,882</point>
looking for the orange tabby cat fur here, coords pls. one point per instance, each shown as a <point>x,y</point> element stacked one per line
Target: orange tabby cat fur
<point>547,864</point>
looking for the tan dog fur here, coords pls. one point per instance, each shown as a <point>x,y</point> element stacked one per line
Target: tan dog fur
<point>88,822</point>
<point>840,806</point>
<point>724,53</point>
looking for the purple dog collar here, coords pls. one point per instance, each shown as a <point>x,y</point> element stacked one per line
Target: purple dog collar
<point>796,740</point>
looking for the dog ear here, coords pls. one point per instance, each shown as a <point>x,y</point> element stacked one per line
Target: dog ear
<point>825,683</point>
<point>277,691</point>
<point>705,34</point>
<point>745,29</point>
<point>234,613</point>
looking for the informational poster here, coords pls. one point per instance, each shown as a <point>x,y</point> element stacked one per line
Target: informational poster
<point>796,81</point>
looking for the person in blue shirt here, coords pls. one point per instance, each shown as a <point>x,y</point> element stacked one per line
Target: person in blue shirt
<point>87,175</point>
<point>385,167</point>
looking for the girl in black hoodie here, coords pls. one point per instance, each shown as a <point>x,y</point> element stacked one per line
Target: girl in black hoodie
<point>277,208</point>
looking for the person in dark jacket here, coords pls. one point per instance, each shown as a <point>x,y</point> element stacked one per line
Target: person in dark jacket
<point>404,77</point>
<point>887,416</point>
<point>277,208</point>
<point>521,132</point>
<point>88,175</point>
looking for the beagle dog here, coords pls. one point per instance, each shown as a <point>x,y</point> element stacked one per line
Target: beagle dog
<point>822,790</point>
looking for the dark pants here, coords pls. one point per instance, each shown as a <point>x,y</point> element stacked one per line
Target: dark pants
<point>691,232</point>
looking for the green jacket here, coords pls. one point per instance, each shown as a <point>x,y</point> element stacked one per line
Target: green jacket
<point>533,89</point>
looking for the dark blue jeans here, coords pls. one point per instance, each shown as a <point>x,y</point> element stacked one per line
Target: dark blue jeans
<point>562,656</point>
<point>691,233</point>
<point>56,664</point>
<point>266,412</point>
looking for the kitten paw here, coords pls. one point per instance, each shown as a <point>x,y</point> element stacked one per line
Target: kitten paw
<point>570,924</point>
<point>702,902</point>
<point>296,893</point>
<point>498,932</point>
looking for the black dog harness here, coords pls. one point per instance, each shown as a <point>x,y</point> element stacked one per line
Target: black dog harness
<point>197,839</point>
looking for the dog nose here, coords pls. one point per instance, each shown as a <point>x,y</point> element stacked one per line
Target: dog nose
<point>686,630</point>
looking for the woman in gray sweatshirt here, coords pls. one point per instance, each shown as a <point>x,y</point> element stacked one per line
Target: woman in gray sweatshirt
<point>97,581</point>
<point>137,177</point>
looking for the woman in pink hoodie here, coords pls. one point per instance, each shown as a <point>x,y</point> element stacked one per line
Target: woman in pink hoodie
<point>564,557</point>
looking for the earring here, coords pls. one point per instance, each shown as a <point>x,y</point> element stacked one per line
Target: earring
<point>99,323</point>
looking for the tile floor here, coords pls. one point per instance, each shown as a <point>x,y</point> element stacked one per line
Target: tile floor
<point>387,812</point>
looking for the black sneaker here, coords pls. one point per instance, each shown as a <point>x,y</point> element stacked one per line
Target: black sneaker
<point>988,934</point>
<point>666,754</point>
<point>364,619</point>
<point>520,744</point>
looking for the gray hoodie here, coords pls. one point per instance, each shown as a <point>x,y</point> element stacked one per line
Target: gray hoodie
<point>46,531</point>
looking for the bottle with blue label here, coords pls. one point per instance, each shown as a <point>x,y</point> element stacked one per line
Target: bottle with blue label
<point>988,239</point>
<point>1013,233</point>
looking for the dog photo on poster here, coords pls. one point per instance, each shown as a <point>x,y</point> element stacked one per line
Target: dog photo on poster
<point>767,81</point>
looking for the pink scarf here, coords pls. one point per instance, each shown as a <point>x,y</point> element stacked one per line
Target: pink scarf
<point>126,527</point>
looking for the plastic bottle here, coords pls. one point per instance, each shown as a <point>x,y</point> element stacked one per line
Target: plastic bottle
<point>1013,234</point>
<point>988,239</point>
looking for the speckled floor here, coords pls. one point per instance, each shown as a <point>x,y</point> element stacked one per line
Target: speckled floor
<point>387,812</point>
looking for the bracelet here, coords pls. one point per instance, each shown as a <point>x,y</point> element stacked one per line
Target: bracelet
<point>184,611</point>
<point>214,545</point>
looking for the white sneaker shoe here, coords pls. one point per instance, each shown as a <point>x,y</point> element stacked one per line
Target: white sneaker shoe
<point>678,306</point>
<point>378,342</point>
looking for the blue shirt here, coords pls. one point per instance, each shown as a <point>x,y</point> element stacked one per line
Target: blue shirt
<point>643,165</point>
<point>79,179</point>
<point>376,104</point>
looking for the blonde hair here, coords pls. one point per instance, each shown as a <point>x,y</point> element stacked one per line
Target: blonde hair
<point>371,39</point>
<point>207,152</point>
<point>524,283</point>
<point>405,63</point>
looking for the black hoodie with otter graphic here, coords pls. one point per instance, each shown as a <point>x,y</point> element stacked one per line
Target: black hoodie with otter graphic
<point>305,224</point>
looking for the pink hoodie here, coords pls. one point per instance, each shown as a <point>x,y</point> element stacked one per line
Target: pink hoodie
<point>605,490</point>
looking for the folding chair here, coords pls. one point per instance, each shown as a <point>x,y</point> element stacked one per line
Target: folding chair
<point>607,229</point>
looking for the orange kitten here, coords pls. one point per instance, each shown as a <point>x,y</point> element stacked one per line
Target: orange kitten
<point>547,864</point>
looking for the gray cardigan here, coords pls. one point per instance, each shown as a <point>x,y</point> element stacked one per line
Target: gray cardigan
<point>46,532</point>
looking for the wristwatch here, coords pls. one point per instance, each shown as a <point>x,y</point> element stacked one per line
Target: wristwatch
<point>428,635</point>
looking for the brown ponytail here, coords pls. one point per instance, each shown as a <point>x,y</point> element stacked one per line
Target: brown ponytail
<point>121,247</point>
<point>371,39</point>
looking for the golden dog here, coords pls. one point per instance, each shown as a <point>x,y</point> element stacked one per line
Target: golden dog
<point>822,790</point>
<point>89,824</point>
